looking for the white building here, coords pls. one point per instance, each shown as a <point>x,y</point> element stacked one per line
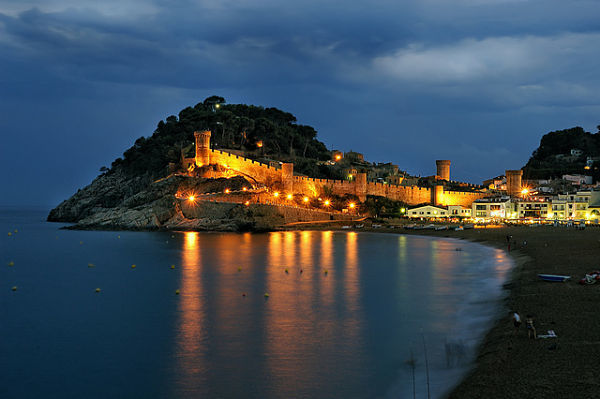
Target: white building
<point>492,208</point>
<point>430,211</point>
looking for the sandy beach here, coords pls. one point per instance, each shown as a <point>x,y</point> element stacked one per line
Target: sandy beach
<point>510,366</point>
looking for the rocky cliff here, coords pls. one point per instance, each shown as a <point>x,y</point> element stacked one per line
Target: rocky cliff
<point>117,201</point>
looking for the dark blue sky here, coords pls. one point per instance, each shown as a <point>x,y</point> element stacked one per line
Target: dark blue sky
<point>474,81</point>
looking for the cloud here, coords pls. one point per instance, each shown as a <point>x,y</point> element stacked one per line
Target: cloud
<point>490,59</point>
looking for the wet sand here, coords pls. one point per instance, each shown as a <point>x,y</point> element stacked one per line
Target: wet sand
<point>510,366</point>
<point>513,366</point>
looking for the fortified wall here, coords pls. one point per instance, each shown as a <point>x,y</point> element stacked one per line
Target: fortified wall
<point>284,177</point>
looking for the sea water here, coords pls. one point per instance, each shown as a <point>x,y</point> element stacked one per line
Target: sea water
<point>309,314</point>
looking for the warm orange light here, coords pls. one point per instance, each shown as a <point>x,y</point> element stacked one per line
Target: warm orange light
<point>192,198</point>
<point>326,202</point>
<point>275,194</point>
<point>525,191</point>
<point>227,191</point>
<point>305,199</point>
<point>247,203</point>
<point>338,157</point>
<point>244,189</point>
<point>289,196</point>
<point>259,143</point>
<point>351,205</point>
<point>586,167</point>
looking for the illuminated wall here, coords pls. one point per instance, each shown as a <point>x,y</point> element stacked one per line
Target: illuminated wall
<point>283,178</point>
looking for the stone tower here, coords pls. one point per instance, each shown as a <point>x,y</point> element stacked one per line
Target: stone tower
<point>513,182</point>
<point>360,186</point>
<point>287,177</point>
<point>443,169</point>
<point>202,147</point>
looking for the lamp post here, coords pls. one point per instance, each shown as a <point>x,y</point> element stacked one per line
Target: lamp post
<point>222,133</point>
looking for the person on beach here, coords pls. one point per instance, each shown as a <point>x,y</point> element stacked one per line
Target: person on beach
<point>516,322</point>
<point>530,327</point>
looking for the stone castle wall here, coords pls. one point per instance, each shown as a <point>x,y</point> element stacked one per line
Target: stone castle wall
<point>283,178</point>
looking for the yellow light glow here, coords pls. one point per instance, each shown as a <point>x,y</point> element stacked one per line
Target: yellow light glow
<point>259,143</point>
<point>275,194</point>
<point>227,191</point>
<point>244,189</point>
<point>305,199</point>
<point>326,202</point>
<point>338,157</point>
<point>351,205</point>
<point>586,167</point>
<point>402,210</point>
<point>247,203</point>
<point>525,191</point>
<point>192,198</point>
<point>289,196</point>
<point>349,176</point>
<point>217,106</point>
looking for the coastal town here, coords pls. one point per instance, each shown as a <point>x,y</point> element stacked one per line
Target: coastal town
<point>508,198</point>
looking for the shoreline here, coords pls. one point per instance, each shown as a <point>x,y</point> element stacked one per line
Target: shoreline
<point>508,366</point>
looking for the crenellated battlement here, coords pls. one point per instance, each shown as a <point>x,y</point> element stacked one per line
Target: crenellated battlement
<point>283,176</point>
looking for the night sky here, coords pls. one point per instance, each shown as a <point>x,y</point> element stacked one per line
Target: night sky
<point>474,81</point>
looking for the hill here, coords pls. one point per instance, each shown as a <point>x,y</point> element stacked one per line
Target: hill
<point>254,130</point>
<point>139,191</point>
<point>564,152</point>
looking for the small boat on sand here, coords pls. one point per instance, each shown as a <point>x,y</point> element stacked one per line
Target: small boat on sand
<point>554,277</point>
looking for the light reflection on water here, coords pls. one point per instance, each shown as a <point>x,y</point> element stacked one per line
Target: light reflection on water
<point>312,330</point>
<point>347,333</point>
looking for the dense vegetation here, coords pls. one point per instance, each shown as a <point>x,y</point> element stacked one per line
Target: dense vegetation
<point>553,157</point>
<point>261,132</point>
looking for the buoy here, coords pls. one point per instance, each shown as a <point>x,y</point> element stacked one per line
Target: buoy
<point>133,266</point>
<point>176,292</point>
<point>91,265</point>
<point>11,263</point>
<point>97,290</point>
<point>266,294</point>
<point>14,288</point>
<point>172,266</point>
<point>9,234</point>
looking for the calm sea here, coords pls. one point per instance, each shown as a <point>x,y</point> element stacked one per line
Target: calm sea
<point>345,313</point>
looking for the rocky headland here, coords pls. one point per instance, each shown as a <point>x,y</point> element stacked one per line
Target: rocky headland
<point>117,201</point>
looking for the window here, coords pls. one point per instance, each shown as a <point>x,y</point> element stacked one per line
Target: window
<point>480,207</point>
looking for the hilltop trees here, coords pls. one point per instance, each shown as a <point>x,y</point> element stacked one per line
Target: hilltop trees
<point>553,157</point>
<point>273,132</point>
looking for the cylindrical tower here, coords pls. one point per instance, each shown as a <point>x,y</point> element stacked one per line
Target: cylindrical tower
<point>513,182</point>
<point>287,177</point>
<point>202,147</point>
<point>360,186</point>
<point>443,169</point>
